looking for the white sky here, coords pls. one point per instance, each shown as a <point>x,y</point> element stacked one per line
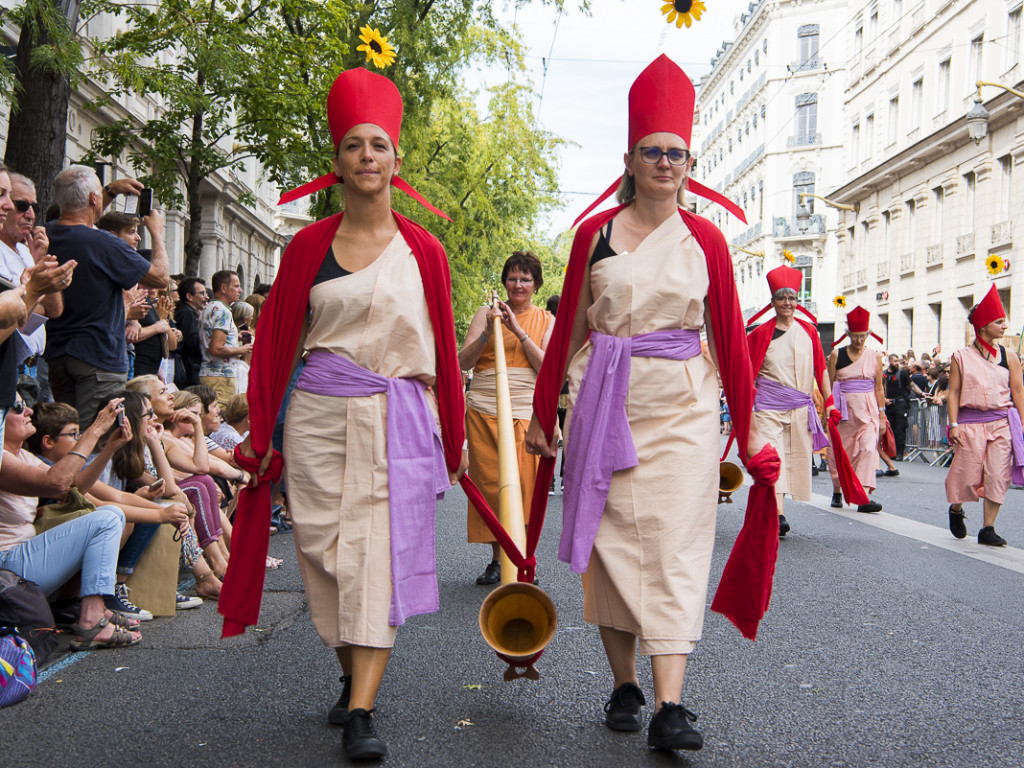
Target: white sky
<point>592,65</point>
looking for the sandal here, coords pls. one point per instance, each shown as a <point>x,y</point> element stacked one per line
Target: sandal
<point>206,595</point>
<point>120,639</point>
<point>122,621</point>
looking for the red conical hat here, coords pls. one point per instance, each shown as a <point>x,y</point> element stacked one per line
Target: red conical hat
<point>360,96</point>
<point>858,320</point>
<point>784,277</point>
<point>988,310</point>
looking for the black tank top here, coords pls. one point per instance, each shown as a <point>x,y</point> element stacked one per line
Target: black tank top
<point>843,358</point>
<point>602,250</point>
<point>329,268</point>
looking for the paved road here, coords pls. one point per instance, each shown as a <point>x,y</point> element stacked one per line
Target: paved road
<point>888,643</point>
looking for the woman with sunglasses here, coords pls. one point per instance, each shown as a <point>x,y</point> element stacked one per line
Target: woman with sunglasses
<point>525,332</point>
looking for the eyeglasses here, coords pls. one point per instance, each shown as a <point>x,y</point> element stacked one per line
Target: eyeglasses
<point>786,299</point>
<point>73,435</point>
<point>19,407</point>
<point>653,155</point>
<point>520,280</point>
<point>22,206</point>
<point>148,414</point>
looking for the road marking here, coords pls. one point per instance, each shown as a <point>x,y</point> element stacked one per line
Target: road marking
<point>1010,558</point>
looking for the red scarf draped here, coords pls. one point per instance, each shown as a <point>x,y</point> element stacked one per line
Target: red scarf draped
<point>745,588</point>
<point>270,372</point>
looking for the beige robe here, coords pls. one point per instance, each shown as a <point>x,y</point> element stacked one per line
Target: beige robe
<point>648,572</point>
<point>790,361</point>
<point>859,432</point>
<point>336,448</point>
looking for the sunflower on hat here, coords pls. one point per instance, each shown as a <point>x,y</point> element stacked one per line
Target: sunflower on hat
<point>378,49</point>
<point>995,264</point>
<point>683,12</point>
<point>840,301</point>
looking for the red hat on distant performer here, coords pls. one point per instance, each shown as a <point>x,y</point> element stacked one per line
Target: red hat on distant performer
<point>784,277</point>
<point>661,100</point>
<point>858,320</point>
<point>360,96</point>
<point>988,310</point>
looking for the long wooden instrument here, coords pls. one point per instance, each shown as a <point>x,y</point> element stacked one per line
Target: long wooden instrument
<point>517,620</point>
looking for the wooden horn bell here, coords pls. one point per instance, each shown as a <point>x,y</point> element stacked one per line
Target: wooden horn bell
<point>730,478</point>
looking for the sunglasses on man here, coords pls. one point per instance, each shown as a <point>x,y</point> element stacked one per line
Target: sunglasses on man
<point>22,206</point>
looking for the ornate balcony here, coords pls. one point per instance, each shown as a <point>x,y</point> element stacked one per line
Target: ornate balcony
<point>933,256</point>
<point>806,140</point>
<point>882,270</point>
<point>965,245</point>
<point>1002,234</point>
<point>862,277</point>
<point>906,263</point>
<point>786,226</point>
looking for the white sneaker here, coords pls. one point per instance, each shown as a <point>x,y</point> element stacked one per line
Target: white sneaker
<point>183,602</point>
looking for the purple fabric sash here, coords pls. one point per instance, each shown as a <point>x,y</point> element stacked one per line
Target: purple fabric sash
<point>976,416</point>
<point>600,442</point>
<point>417,476</point>
<point>842,387</point>
<point>774,396</point>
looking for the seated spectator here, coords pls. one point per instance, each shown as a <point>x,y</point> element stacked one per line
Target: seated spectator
<point>56,430</point>
<point>140,462</point>
<point>88,543</point>
<point>219,337</point>
<point>212,421</point>
<point>257,301</point>
<point>192,300</point>
<point>236,423</point>
<point>86,346</point>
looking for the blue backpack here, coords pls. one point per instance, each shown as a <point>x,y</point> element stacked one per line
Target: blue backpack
<point>17,667</point>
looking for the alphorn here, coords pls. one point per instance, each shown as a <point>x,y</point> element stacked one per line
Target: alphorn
<point>517,620</point>
<point>730,478</point>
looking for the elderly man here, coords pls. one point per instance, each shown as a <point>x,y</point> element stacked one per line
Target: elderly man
<point>192,298</point>
<point>219,337</point>
<point>86,351</point>
<point>22,245</point>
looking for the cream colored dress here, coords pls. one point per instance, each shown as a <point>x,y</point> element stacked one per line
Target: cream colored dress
<point>336,448</point>
<point>859,432</point>
<point>790,361</point>
<point>648,572</point>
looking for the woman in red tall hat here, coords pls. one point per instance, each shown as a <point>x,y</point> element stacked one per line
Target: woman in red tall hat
<point>641,469</point>
<point>985,405</point>
<point>365,295</point>
<point>855,372</point>
<point>788,360</point>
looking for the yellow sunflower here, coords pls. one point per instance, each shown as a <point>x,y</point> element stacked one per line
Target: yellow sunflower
<point>788,256</point>
<point>683,12</point>
<point>995,264</point>
<point>840,301</point>
<point>378,49</point>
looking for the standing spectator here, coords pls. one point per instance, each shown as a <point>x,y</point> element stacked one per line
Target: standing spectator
<point>22,245</point>
<point>218,337</point>
<point>86,349</point>
<point>897,402</point>
<point>192,298</point>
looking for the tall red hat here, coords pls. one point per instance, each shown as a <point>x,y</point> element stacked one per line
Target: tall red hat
<point>988,309</point>
<point>784,277</point>
<point>858,320</point>
<point>661,100</point>
<point>360,96</point>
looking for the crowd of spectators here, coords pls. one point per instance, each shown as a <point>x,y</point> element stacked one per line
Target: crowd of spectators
<point>113,378</point>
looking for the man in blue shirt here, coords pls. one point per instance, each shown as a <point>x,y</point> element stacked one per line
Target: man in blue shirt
<point>86,347</point>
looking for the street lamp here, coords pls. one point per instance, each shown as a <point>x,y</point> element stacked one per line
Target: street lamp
<point>977,118</point>
<point>855,208</point>
<point>759,254</point>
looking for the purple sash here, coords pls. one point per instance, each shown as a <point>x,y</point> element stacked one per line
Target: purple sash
<point>417,476</point>
<point>773,396</point>
<point>842,387</point>
<point>976,416</point>
<point>600,443</point>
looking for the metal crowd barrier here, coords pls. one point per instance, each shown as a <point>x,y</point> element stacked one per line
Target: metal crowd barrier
<point>926,433</point>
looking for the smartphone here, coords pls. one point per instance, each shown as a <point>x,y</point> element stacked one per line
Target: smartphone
<point>145,202</point>
<point>120,417</point>
<point>156,484</point>
<point>6,285</point>
<point>245,337</point>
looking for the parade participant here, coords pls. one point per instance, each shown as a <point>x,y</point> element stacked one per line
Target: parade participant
<point>641,474</point>
<point>985,405</point>
<point>787,365</point>
<point>855,373</point>
<point>367,293</point>
<point>525,334</point>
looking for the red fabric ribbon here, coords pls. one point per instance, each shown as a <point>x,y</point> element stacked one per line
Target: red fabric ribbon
<point>853,491</point>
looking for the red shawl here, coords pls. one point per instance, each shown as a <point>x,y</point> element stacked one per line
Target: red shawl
<point>281,320</point>
<point>745,588</point>
<point>758,341</point>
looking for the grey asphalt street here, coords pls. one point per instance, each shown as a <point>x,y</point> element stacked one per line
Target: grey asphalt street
<point>888,643</point>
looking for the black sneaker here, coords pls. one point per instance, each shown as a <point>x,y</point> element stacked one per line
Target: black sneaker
<point>622,712</point>
<point>837,501</point>
<point>491,574</point>
<point>339,712</point>
<point>671,729</point>
<point>360,740</point>
<point>957,523</point>
<point>119,603</point>
<point>989,537</point>
<point>871,506</point>
<point>783,526</point>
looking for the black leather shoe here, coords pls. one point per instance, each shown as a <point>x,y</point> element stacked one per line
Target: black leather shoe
<point>871,506</point>
<point>339,712</point>
<point>783,526</point>
<point>491,574</point>
<point>989,537</point>
<point>671,729</point>
<point>360,740</point>
<point>892,473</point>
<point>879,473</point>
<point>957,523</point>
<point>814,469</point>
<point>837,501</point>
<point>622,712</point>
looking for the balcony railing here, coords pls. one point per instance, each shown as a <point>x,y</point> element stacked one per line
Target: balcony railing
<point>808,65</point>
<point>882,270</point>
<point>862,277</point>
<point>933,255</point>
<point>906,263</point>
<point>1002,233</point>
<point>786,226</point>
<point>965,245</point>
<point>848,281</point>
<point>806,140</point>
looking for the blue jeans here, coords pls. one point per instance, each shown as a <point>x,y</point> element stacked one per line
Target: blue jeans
<point>88,543</point>
<point>137,542</point>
